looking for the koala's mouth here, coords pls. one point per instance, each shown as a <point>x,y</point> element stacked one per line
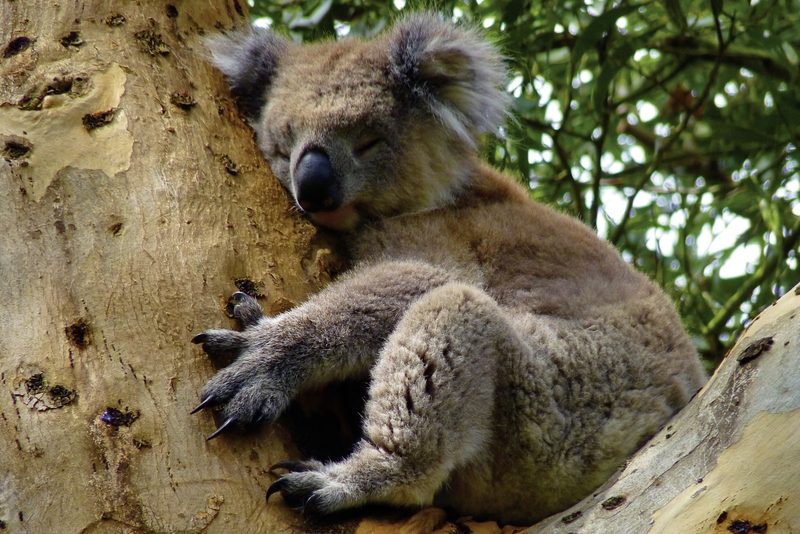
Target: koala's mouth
<point>343,218</point>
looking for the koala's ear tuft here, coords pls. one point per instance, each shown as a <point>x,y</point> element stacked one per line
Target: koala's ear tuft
<point>249,60</point>
<point>454,70</point>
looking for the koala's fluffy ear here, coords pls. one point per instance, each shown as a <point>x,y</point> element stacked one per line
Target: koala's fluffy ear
<point>249,61</point>
<point>455,71</point>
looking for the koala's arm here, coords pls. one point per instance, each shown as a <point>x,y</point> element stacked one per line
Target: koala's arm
<point>335,334</point>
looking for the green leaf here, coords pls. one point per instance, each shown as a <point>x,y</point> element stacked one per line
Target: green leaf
<point>513,10</point>
<point>522,162</point>
<point>788,108</point>
<point>597,28</point>
<point>314,18</point>
<point>790,53</point>
<point>524,106</point>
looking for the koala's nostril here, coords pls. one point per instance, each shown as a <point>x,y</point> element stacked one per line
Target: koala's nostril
<point>317,187</point>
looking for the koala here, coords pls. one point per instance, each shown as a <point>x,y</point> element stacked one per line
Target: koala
<point>515,360</point>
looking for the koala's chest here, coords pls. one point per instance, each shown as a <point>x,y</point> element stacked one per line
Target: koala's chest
<point>444,240</point>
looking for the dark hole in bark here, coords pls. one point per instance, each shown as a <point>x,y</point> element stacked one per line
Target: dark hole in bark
<point>17,45</point>
<point>72,39</point>
<point>78,334</point>
<point>98,119</point>
<point>16,149</point>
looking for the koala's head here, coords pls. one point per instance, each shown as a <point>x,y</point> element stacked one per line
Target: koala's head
<point>364,129</point>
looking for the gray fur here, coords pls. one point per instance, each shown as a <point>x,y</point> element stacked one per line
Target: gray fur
<point>515,359</point>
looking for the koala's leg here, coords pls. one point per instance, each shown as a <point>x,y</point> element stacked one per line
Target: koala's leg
<point>430,408</point>
<point>336,334</point>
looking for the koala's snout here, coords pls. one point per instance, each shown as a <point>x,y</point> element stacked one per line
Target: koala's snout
<point>316,185</point>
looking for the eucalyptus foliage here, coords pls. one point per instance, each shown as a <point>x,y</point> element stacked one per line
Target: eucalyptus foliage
<point>671,127</point>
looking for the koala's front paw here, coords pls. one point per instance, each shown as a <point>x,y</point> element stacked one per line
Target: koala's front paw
<point>255,388</point>
<point>249,391</point>
<point>309,487</point>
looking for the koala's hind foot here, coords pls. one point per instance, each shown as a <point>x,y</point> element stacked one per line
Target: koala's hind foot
<point>429,409</point>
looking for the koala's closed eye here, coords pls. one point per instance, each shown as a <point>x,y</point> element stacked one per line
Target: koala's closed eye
<point>280,153</point>
<point>366,143</point>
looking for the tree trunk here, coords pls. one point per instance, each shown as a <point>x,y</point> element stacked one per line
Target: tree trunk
<point>133,202</point>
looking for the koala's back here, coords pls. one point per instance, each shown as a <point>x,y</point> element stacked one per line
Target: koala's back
<point>619,362</point>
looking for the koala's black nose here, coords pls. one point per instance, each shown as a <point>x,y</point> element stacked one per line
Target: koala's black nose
<point>317,187</point>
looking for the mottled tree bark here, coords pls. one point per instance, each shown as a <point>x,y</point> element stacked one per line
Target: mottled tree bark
<point>133,202</point>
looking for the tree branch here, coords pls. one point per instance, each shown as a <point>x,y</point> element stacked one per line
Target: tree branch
<point>656,82</point>
<point>597,175</point>
<point>695,49</point>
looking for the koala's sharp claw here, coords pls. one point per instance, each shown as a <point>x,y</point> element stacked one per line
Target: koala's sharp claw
<point>202,337</point>
<point>291,466</point>
<point>207,402</point>
<point>222,428</point>
<point>275,487</point>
